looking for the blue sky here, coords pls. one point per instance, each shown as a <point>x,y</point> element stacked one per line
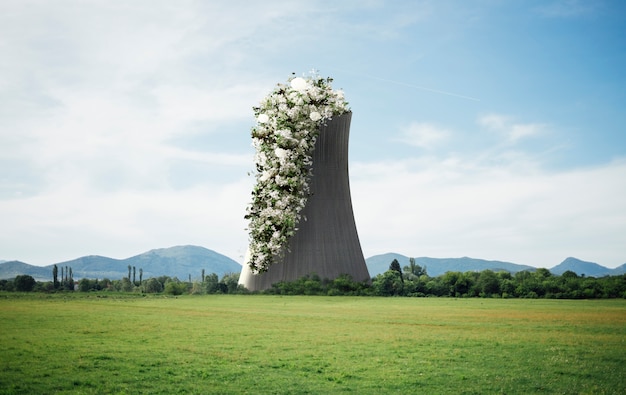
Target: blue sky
<point>487,129</point>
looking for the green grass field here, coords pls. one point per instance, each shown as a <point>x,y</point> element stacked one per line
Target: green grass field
<point>233,344</point>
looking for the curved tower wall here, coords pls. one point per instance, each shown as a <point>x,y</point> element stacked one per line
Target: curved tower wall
<point>327,243</point>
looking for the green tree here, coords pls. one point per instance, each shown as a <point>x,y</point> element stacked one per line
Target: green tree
<point>231,282</point>
<point>24,283</point>
<point>344,285</point>
<point>415,269</point>
<point>140,275</point>
<point>459,284</point>
<point>129,268</point>
<point>68,283</point>
<point>450,280</point>
<point>47,286</point>
<point>488,283</point>
<point>614,286</point>
<point>507,286</point>
<point>55,276</point>
<point>523,281</point>
<point>126,285</point>
<point>542,273</point>
<point>152,285</point>
<point>569,274</point>
<point>197,288</point>
<point>312,285</point>
<point>134,274</point>
<point>7,285</point>
<point>175,288</point>
<point>106,284</point>
<point>84,285</point>
<point>388,284</point>
<point>395,266</point>
<point>164,280</point>
<point>211,283</point>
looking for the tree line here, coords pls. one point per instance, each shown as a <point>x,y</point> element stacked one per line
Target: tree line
<point>413,281</point>
<point>410,281</point>
<point>208,284</point>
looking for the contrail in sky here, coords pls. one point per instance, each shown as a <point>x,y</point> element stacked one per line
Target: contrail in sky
<point>413,86</point>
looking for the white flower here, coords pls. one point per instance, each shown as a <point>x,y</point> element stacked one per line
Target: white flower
<point>315,116</point>
<point>299,84</point>
<point>286,133</point>
<point>263,118</point>
<point>283,158</point>
<point>281,153</point>
<point>266,175</point>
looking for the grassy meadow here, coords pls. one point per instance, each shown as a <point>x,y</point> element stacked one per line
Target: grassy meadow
<point>259,344</point>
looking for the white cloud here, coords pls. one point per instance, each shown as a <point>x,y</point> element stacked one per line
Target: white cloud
<point>511,212</point>
<point>494,121</point>
<point>424,135</point>
<point>123,128</point>
<point>77,219</point>
<point>96,92</point>
<point>92,96</point>
<point>512,131</point>
<point>519,131</point>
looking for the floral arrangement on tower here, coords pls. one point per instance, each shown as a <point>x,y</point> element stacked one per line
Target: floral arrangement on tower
<point>288,122</point>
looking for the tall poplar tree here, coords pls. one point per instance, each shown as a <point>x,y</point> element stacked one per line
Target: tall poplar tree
<point>55,276</point>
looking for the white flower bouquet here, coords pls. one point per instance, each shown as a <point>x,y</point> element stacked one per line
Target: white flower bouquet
<point>288,122</point>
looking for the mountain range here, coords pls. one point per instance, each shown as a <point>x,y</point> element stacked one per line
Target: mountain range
<point>189,261</point>
<point>179,261</point>
<point>437,266</point>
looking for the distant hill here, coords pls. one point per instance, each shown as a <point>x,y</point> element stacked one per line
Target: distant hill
<point>179,261</point>
<point>589,269</point>
<point>182,261</point>
<point>438,266</point>
<point>11,269</point>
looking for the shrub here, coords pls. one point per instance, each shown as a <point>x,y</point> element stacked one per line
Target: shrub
<point>175,288</point>
<point>24,283</point>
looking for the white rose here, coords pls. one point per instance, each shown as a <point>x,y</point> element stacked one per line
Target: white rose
<point>281,153</point>
<point>299,84</point>
<point>263,118</point>
<point>265,176</point>
<point>315,116</point>
<point>286,133</point>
